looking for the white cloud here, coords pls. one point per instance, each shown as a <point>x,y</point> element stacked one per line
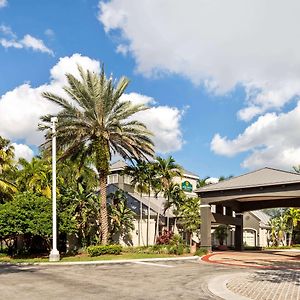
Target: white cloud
<point>28,41</point>
<point>10,43</point>
<point>211,180</point>
<point>69,65</point>
<point>7,31</point>
<point>163,121</point>
<point>23,151</point>
<point>272,140</point>
<point>220,44</point>
<point>21,108</point>
<point>37,45</point>
<point>3,3</point>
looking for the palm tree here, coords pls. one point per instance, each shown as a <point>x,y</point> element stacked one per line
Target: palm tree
<point>222,178</point>
<point>94,122</point>
<point>35,176</point>
<point>150,180</point>
<point>278,230</point>
<point>7,169</point>
<point>202,182</point>
<point>296,169</point>
<point>292,217</point>
<point>137,173</point>
<point>167,169</point>
<point>121,217</point>
<point>175,197</point>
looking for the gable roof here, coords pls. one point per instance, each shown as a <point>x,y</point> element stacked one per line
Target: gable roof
<point>262,177</point>
<point>263,217</point>
<point>118,165</point>
<point>156,204</point>
<point>190,174</point>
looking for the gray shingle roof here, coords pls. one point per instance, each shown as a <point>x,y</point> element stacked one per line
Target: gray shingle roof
<point>118,165</point>
<point>261,177</point>
<point>263,217</point>
<point>188,173</point>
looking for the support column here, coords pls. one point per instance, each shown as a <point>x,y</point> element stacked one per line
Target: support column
<point>206,217</point>
<point>238,235</point>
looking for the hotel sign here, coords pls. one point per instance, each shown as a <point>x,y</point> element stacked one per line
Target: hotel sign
<point>186,186</point>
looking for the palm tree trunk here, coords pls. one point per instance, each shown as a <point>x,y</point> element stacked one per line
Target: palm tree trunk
<point>103,210</point>
<point>157,226</point>
<point>291,235</point>
<point>141,220</point>
<point>148,221</point>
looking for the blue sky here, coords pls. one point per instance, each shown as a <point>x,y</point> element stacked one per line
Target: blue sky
<point>225,82</point>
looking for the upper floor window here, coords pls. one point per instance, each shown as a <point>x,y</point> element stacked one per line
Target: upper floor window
<point>112,178</point>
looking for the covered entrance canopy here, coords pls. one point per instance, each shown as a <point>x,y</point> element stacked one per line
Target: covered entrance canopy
<point>264,188</point>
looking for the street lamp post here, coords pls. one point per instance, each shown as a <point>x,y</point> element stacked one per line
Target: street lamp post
<point>54,254</point>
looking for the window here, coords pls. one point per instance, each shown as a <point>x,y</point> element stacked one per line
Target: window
<point>112,178</point>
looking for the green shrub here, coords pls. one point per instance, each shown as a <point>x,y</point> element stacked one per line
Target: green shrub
<point>201,252</point>
<point>176,240</point>
<point>105,249</point>
<point>176,249</point>
<point>277,247</point>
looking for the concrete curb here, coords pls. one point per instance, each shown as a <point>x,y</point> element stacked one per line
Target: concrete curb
<point>218,287</point>
<point>105,262</point>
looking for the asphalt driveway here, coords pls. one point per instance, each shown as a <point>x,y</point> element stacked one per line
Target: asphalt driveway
<point>163,280</point>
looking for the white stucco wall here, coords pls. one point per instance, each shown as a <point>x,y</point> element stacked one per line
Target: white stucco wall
<point>134,240</point>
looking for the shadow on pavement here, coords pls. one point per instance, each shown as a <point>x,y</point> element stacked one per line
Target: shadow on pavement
<point>277,276</point>
<point>11,268</point>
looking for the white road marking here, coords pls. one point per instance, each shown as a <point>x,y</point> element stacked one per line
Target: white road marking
<point>153,264</point>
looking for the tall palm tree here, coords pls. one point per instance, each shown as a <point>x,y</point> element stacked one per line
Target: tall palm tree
<point>150,180</point>
<point>94,122</point>
<point>137,173</point>
<point>167,169</point>
<point>175,198</point>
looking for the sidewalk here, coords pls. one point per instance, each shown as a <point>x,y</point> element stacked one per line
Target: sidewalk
<point>258,285</point>
<point>267,275</point>
<point>106,262</point>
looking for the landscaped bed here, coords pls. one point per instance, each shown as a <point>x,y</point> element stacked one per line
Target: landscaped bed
<point>85,257</point>
<point>127,253</point>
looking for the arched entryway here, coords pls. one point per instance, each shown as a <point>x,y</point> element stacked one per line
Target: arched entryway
<point>264,188</point>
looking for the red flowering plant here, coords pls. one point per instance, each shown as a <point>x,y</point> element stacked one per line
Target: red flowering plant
<point>165,237</point>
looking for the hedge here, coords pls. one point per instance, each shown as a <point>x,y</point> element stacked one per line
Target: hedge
<point>105,249</point>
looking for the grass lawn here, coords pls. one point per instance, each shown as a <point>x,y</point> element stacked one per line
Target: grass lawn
<point>84,257</point>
